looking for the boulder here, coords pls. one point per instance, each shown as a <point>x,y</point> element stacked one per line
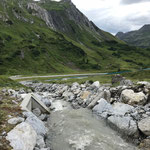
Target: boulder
<point>103,108</point>
<point>37,112</point>
<point>36,123</point>
<point>45,148</point>
<point>124,125</point>
<point>11,92</point>
<point>128,96</point>
<point>117,78</point>
<point>40,142</point>
<point>16,120</point>
<point>96,99</point>
<point>107,95</point>
<point>126,83</point>
<point>145,83</point>
<point>83,86</point>
<point>75,105</point>
<point>22,137</point>
<point>144,126</point>
<point>75,86</point>
<point>121,109</point>
<point>145,144</point>
<point>43,117</point>
<point>85,95</point>
<point>118,109</point>
<point>46,101</point>
<point>67,95</point>
<point>96,84</point>
<point>76,91</point>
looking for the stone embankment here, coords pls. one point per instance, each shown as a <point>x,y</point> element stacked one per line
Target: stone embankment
<point>125,108</point>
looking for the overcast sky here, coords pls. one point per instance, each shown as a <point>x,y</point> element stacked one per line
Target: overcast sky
<point>116,15</point>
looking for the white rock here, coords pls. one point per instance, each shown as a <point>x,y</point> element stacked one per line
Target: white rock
<point>96,99</point>
<point>96,84</point>
<point>76,84</point>
<point>67,94</point>
<point>11,92</point>
<point>45,148</point>
<point>23,95</point>
<point>126,82</point>
<point>128,96</point>
<point>37,112</point>
<point>46,101</point>
<point>83,86</point>
<point>121,109</point>
<point>15,120</point>
<point>36,123</point>
<point>15,102</point>
<point>124,124</point>
<point>22,137</point>
<point>144,83</point>
<point>103,107</point>
<point>40,142</point>
<point>144,126</point>
<point>107,95</point>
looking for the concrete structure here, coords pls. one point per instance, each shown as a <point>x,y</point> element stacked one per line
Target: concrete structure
<point>31,102</point>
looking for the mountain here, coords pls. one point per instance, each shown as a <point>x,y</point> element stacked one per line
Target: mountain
<point>138,38</point>
<point>47,36</point>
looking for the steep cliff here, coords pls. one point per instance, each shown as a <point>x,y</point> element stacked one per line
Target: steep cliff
<point>63,16</point>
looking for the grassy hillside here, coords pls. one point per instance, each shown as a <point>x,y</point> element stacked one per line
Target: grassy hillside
<point>28,45</point>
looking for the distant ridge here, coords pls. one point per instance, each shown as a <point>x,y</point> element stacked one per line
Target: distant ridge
<point>140,38</point>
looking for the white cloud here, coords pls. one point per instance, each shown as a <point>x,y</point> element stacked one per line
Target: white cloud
<point>113,16</point>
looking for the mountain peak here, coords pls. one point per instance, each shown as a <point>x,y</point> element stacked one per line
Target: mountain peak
<point>139,37</point>
<point>145,28</point>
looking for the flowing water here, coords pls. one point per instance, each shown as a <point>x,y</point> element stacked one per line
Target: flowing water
<point>71,129</point>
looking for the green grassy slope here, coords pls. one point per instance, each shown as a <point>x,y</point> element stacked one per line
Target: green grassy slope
<point>28,46</point>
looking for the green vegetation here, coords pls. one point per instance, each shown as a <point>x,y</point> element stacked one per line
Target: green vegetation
<point>7,82</point>
<point>28,46</point>
<point>103,79</point>
<point>7,107</point>
<point>69,80</point>
<point>139,76</point>
<point>53,5</point>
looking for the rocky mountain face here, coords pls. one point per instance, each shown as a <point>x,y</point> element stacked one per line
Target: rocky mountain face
<point>48,36</point>
<point>138,38</point>
<point>66,18</point>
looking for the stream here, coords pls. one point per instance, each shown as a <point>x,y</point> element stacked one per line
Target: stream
<point>71,129</point>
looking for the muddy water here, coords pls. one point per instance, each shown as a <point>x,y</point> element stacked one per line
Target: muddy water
<point>81,130</point>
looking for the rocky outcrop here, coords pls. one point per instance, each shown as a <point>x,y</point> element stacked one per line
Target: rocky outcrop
<point>65,22</point>
<point>22,137</point>
<point>41,13</point>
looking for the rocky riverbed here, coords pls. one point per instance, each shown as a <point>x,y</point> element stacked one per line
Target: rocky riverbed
<point>125,109</point>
